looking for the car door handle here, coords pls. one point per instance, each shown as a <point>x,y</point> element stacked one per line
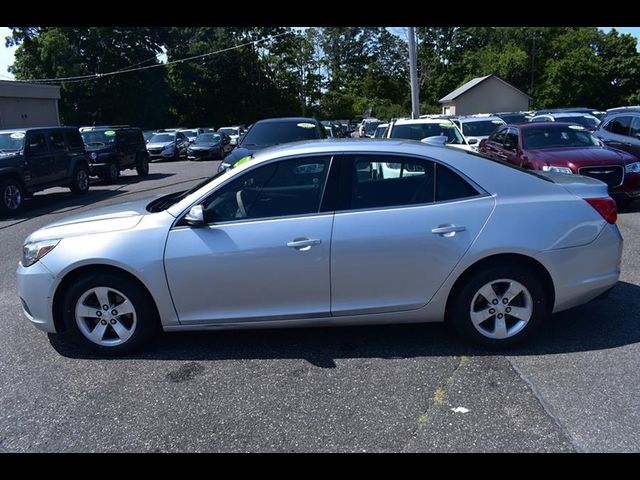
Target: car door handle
<point>304,244</point>
<point>448,230</point>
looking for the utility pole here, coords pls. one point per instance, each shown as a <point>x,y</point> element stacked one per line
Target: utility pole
<point>413,71</point>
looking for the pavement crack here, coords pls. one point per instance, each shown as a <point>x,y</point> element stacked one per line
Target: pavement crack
<point>548,409</point>
<point>437,400</point>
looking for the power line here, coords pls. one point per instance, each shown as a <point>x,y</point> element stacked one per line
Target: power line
<point>95,76</point>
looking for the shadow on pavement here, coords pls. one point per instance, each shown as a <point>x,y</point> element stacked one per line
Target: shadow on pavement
<point>44,203</point>
<point>601,324</point>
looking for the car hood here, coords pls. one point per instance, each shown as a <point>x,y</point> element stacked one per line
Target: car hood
<point>580,157</point>
<point>112,218</point>
<point>159,145</point>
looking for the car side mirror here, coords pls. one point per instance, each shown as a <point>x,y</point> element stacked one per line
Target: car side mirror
<point>472,141</point>
<point>195,217</point>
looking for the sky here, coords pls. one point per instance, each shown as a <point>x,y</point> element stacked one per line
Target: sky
<point>6,54</point>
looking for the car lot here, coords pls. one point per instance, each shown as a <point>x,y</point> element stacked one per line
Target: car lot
<point>386,388</point>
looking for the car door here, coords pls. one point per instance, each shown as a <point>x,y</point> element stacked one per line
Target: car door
<point>510,147</point>
<point>59,155</point>
<point>494,145</point>
<point>264,251</point>
<point>401,225</point>
<point>616,132</point>
<point>39,162</point>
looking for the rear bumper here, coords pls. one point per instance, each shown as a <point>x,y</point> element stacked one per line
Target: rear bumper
<point>581,274</point>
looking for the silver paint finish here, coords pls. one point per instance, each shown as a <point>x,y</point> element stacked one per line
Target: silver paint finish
<point>370,266</point>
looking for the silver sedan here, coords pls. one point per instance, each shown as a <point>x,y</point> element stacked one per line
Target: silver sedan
<point>329,233</point>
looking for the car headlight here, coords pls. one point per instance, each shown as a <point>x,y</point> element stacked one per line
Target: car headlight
<point>551,168</point>
<point>93,155</point>
<point>633,167</point>
<point>34,251</point>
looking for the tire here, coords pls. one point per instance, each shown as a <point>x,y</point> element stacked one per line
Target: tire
<point>142,167</point>
<point>112,174</point>
<point>176,155</point>
<point>468,301</point>
<point>115,334</point>
<point>11,196</point>
<point>80,180</point>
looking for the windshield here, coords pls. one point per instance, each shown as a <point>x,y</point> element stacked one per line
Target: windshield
<point>587,121</point>
<point>557,137</point>
<point>208,138</point>
<point>480,128</point>
<point>229,131</point>
<point>418,131</point>
<point>515,118</point>
<point>148,135</point>
<point>371,127</point>
<point>11,141</point>
<point>98,137</point>
<point>275,133</point>
<point>162,138</point>
<point>190,133</point>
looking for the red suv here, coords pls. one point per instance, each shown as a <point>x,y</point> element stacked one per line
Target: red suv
<point>566,148</point>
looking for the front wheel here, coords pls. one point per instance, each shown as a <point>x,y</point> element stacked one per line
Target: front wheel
<point>500,306</point>
<point>108,314</point>
<point>11,196</point>
<point>80,181</point>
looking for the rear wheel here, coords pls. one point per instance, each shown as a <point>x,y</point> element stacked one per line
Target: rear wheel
<point>108,314</point>
<point>112,174</point>
<point>80,181</point>
<point>11,196</point>
<point>143,167</point>
<point>500,306</point>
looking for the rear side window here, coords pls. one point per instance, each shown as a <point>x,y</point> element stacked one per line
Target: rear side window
<point>619,125</point>
<point>56,139</point>
<point>74,139</point>
<point>451,186</point>
<point>390,181</point>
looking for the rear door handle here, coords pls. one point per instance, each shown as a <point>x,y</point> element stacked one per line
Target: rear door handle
<point>304,244</point>
<point>448,230</point>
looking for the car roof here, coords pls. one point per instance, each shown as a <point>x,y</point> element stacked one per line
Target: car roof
<point>417,121</point>
<point>287,120</point>
<point>565,114</point>
<point>476,118</point>
<point>543,124</point>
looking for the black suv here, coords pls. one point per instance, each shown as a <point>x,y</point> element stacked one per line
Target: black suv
<point>34,159</point>
<point>112,149</point>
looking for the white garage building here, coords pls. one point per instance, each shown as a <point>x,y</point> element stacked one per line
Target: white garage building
<point>28,105</point>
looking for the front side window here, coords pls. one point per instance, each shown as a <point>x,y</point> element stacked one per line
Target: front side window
<point>37,143</point>
<point>285,188</point>
<point>390,181</point>
<point>499,136</point>
<point>619,125</point>
<point>511,139</point>
<point>56,139</point>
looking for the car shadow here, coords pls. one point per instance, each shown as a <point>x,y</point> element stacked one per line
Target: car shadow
<point>600,324</point>
<point>633,207</point>
<point>62,202</point>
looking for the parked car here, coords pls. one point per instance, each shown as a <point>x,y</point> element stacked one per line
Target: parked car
<point>381,130</point>
<point>233,132</point>
<point>333,129</point>
<point>514,117</point>
<point>273,131</point>
<point>362,130</point>
<point>566,148</point>
<point>421,128</point>
<point>370,128</point>
<point>167,145</point>
<point>621,131</point>
<point>627,109</point>
<point>210,146</point>
<point>476,128</point>
<point>191,134</point>
<point>35,159</point>
<point>302,234</point>
<point>113,149</point>
<point>588,121</point>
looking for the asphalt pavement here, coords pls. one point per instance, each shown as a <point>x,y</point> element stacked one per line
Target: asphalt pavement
<point>397,388</point>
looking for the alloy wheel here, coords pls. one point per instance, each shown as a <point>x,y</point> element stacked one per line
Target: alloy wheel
<point>12,197</point>
<point>105,316</point>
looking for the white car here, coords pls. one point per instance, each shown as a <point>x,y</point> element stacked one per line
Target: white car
<point>587,121</point>
<point>476,128</point>
<point>233,132</point>
<point>421,128</point>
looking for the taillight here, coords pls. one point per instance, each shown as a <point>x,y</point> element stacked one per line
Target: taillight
<point>605,207</point>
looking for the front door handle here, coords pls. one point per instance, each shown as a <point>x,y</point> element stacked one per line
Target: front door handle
<point>448,230</point>
<point>303,244</point>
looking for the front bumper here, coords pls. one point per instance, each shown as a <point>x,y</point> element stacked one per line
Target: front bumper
<point>164,154</point>
<point>630,187</point>
<point>35,285</point>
